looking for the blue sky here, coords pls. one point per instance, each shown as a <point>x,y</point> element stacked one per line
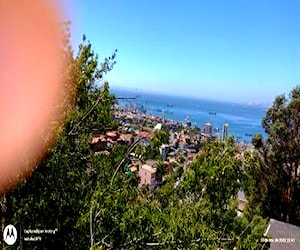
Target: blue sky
<point>245,51</point>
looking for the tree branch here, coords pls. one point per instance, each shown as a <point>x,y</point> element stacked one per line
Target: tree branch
<point>85,115</point>
<point>132,146</point>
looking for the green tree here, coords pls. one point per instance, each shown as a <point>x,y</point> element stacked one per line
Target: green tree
<point>215,173</point>
<point>200,213</point>
<point>273,169</point>
<point>54,197</point>
<point>160,137</point>
<point>92,202</point>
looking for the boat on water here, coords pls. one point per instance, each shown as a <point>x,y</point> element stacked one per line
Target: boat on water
<point>249,135</point>
<point>212,112</point>
<point>157,110</point>
<point>170,105</point>
<point>166,111</point>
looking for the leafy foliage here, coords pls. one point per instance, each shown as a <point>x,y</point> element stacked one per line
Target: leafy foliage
<point>199,214</point>
<point>272,171</point>
<point>152,151</point>
<point>55,195</point>
<point>92,202</point>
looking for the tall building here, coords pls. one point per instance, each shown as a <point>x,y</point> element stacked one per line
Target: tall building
<point>164,151</point>
<point>208,129</point>
<point>225,132</point>
<point>188,123</point>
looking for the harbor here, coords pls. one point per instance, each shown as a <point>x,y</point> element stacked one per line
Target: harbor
<point>244,121</point>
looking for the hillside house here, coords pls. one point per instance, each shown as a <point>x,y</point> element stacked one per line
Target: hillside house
<point>149,175</point>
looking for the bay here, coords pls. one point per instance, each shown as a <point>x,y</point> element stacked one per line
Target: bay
<point>243,120</point>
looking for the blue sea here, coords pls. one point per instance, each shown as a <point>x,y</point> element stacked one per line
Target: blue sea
<point>243,120</point>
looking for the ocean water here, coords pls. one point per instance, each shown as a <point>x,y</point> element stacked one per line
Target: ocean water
<point>243,120</point>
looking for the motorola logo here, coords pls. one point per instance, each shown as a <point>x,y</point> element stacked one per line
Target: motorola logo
<point>10,235</point>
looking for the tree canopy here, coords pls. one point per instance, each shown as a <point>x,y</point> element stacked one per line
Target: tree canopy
<point>91,202</point>
<point>273,183</point>
<point>200,212</point>
<point>54,196</point>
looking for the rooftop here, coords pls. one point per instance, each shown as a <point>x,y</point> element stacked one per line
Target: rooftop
<point>149,168</point>
<point>151,162</point>
<point>278,230</point>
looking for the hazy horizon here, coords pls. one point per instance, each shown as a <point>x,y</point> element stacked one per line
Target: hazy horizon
<point>226,50</point>
<point>183,95</point>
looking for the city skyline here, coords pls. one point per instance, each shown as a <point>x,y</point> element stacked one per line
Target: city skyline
<point>231,51</point>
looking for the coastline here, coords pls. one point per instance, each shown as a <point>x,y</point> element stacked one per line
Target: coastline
<point>242,120</point>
